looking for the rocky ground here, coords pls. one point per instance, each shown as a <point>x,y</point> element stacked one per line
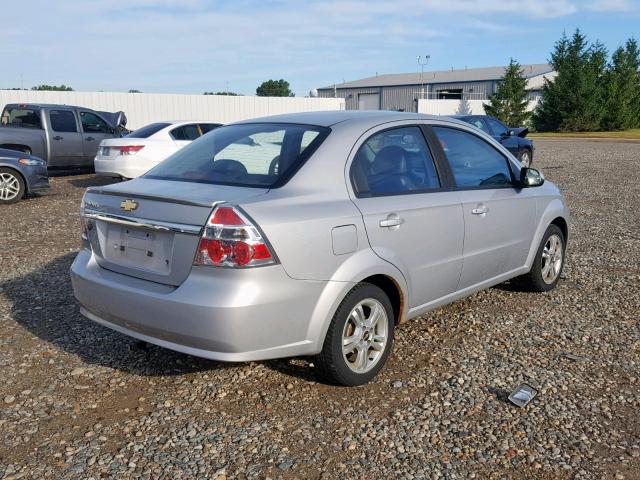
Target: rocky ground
<point>80,401</point>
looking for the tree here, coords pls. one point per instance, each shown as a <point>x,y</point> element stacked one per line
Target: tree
<point>623,88</point>
<point>510,101</point>
<point>231,94</point>
<point>274,88</point>
<point>575,99</point>
<point>55,88</point>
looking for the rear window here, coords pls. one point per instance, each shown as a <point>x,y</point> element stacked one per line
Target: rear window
<point>147,130</point>
<point>251,155</point>
<point>21,117</point>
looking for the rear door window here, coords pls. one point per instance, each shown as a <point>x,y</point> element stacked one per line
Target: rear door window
<point>186,132</point>
<point>148,130</point>
<point>63,121</point>
<point>473,162</point>
<point>252,155</point>
<point>394,162</point>
<point>21,117</point>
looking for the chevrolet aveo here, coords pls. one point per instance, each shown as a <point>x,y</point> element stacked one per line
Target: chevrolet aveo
<point>314,234</point>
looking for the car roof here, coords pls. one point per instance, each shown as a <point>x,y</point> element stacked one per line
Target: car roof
<point>333,117</point>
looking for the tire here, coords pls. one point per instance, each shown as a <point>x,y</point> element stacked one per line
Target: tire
<point>525,157</point>
<point>536,280</point>
<point>12,187</point>
<point>363,362</point>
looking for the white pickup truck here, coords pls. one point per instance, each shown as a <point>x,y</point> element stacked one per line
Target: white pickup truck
<point>63,135</point>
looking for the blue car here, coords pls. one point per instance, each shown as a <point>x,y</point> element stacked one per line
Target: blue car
<point>20,175</point>
<point>513,139</point>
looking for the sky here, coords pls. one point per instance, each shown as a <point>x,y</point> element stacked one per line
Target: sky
<point>193,46</point>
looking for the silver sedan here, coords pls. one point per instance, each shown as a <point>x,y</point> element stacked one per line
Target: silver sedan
<point>314,234</point>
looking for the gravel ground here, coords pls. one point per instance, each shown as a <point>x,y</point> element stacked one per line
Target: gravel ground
<point>80,401</point>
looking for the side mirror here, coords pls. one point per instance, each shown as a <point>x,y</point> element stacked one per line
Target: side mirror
<point>511,133</point>
<point>530,177</point>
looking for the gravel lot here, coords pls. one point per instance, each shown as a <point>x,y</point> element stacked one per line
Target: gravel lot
<point>80,401</point>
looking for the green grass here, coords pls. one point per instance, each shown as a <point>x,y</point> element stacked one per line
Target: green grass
<point>633,134</point>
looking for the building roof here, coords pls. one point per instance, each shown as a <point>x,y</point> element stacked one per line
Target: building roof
<point>444,76</point>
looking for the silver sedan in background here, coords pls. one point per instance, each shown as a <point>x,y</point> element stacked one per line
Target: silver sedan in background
<point>314,234</point>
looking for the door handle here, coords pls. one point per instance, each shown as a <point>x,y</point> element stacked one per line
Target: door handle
<point>58,137</point>
<point>391,221</point>
<point>480,210</point>
<point>89,139</point>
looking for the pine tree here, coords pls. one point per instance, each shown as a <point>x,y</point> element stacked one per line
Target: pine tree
<point>510,101</point>
<point>623,88</point>
<point>574,100</point>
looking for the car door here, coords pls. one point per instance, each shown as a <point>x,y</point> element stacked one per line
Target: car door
<point>65,138</point>
<point>410,219</point>
<point>94,130</point>
<point>500,132</point>
<point>499,217</point>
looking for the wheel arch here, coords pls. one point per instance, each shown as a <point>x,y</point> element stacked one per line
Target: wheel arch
<point>555,213</point>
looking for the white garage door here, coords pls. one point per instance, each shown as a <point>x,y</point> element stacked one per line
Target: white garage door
<point>369,101</point>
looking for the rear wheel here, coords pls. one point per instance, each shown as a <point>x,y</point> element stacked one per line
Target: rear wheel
<point>525,157</point>
<point>359,338</point>
<point>547,266</point>
<point>11,186</point>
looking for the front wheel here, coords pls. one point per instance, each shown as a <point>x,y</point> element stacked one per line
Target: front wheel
<point>547,266</point>
<point>359,338</point>
<point>525,158</point>
<point>11,186</point>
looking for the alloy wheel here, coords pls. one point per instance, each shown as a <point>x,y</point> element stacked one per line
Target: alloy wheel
<point>552,259</point>
<point>9,186</point>
<point>365,335</point>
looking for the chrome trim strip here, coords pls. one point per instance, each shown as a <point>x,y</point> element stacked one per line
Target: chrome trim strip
<point>143,223</point>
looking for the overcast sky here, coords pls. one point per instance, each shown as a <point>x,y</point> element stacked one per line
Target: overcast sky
<point>192,46</point>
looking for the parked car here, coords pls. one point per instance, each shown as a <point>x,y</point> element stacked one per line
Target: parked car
<point>137,152</point>
<point>20,175</point>
<point>63,135</point>
<point>332,228</point>
<point>513,139</point>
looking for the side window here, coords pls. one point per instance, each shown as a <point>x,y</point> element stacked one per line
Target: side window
<point>479,123</point>
<point>207,127</point>
<point>91,123</point>
<point>473,162</point>
<point>21,117</point>
<point>497,127</point>
<point>63,121</point>
<point>394,162</point>
<point>186,132</point>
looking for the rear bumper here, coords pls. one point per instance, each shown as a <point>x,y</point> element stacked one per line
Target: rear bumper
<point>229,315</point>
<point>125,167</point>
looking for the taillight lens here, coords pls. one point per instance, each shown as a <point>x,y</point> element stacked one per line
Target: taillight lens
<point>128,149</point>
<point>231,240</point>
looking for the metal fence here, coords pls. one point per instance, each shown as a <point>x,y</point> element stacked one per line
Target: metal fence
<point>144,108</point>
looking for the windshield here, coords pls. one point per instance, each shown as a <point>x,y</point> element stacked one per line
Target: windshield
<point>147,130</point>
<point>250,155</point>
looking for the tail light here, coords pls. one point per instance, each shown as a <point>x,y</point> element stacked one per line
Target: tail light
<point>128,149</point>
<point>231,240</point>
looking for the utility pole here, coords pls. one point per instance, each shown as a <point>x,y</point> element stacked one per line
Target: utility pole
<point>422,61</point>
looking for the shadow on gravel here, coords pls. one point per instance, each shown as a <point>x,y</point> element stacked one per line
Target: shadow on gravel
<point>43,303</point>
<point>93,181</point>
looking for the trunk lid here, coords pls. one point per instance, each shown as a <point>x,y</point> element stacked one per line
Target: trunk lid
<point>149,228</point>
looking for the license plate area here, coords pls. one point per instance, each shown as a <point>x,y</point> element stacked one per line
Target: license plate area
<point>139,248</point>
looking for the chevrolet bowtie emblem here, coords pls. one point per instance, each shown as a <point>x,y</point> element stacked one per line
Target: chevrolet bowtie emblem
<point>129,205</point>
